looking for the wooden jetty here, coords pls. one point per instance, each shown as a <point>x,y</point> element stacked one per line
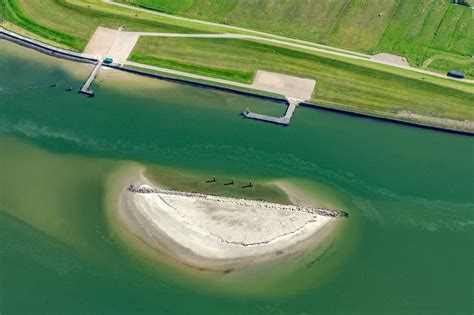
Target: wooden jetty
<point>85,88</point>
<point>284,120</point>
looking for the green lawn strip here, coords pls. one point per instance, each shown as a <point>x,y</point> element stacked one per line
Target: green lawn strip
<point>416,29</point>
<point>127,12</point>
<point>337,81</point>
<point>362,24</point>
<point>442,61</point>
<point>462,40</point>
<point>387,68</point>
<point>233,50</point>
<point>317,102</point>
<point>71,25</point>
<point>12,12</point>
<point>23,32</point>
<point>454,63</point>
<point>115,18</point>
<point>75,22</point>
<point>192,24</point>
<point>458,84</point>
<point>437,29</point>
<point>171,75</point>
<point>233,75</point>
<point>404,29</point>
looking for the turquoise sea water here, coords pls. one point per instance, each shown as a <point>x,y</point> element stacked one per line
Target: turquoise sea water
<point>406,248</point>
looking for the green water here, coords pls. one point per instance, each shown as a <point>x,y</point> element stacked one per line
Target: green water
<point>406,248</point>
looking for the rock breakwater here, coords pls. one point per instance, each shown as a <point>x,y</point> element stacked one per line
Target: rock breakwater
<point>145,189</point>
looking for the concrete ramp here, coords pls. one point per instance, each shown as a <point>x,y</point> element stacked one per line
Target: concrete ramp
<point>101,42</point>
<point>123,46</point>
<point>295,89</point>
<point>393,59</point>
<point>290,86</point>
<point>107,42</point>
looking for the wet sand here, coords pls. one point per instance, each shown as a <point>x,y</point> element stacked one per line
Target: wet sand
<point>216,233</point>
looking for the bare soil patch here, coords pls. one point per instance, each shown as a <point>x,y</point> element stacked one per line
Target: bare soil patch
<point>290,86</point>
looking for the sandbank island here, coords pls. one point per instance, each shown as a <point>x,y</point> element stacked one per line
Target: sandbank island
<point>220,233</point>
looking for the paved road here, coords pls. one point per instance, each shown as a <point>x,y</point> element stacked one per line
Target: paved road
<point>241,29</point>
<point>225,35</point>
<point>279,40</point>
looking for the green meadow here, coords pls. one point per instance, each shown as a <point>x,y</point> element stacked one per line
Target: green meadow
<point>421,30</point>
<point>338,82</point>
<point>72,25</point>
<point>433,34</point>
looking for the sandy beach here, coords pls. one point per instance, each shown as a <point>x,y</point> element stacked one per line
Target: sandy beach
<point>218,233</point>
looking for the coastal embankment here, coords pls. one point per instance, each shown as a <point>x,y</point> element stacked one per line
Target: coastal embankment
<point>220,233</point>
<point>44,48</point>
<point>410,120</point>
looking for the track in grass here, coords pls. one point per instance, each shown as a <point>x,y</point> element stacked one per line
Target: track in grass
<point>73,25</point>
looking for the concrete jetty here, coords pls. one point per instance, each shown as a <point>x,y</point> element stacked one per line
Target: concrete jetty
<point>284,120</point>
<point>85,88</point>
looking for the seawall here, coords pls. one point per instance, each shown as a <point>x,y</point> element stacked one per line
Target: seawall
<point>60,53</point>
<point>43,48</point>
<point>283,100</point>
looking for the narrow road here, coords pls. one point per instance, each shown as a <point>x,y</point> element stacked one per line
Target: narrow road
<point>276,39</point>
<point>226,35</point>
<point>236,28</point>
<point>200,77</point>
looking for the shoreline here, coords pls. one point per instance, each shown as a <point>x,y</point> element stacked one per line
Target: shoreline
<point>64,54</point>
<point>200,237</point>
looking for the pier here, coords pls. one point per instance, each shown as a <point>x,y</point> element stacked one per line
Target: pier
<point>85,88</point>
<point>284,120</point>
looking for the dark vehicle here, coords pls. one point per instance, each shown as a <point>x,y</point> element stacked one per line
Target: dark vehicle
<point>108,60</point>
<point>456,74</point>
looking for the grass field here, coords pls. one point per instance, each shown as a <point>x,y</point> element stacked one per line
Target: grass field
<point>72,25</point>
<point>433,34</point>
<point>337,81</point>
<point>416,29</point>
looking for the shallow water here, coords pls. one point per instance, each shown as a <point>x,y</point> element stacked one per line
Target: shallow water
<point>406,248</point>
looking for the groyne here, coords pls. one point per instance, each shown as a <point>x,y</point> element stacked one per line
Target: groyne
<point>60,53</point>
<point>239,201</point>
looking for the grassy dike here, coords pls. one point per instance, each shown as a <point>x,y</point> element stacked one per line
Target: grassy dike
<point>433,34</point>
<point>349,84</point>
<point>72,25</point>
<point>338,81</point>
